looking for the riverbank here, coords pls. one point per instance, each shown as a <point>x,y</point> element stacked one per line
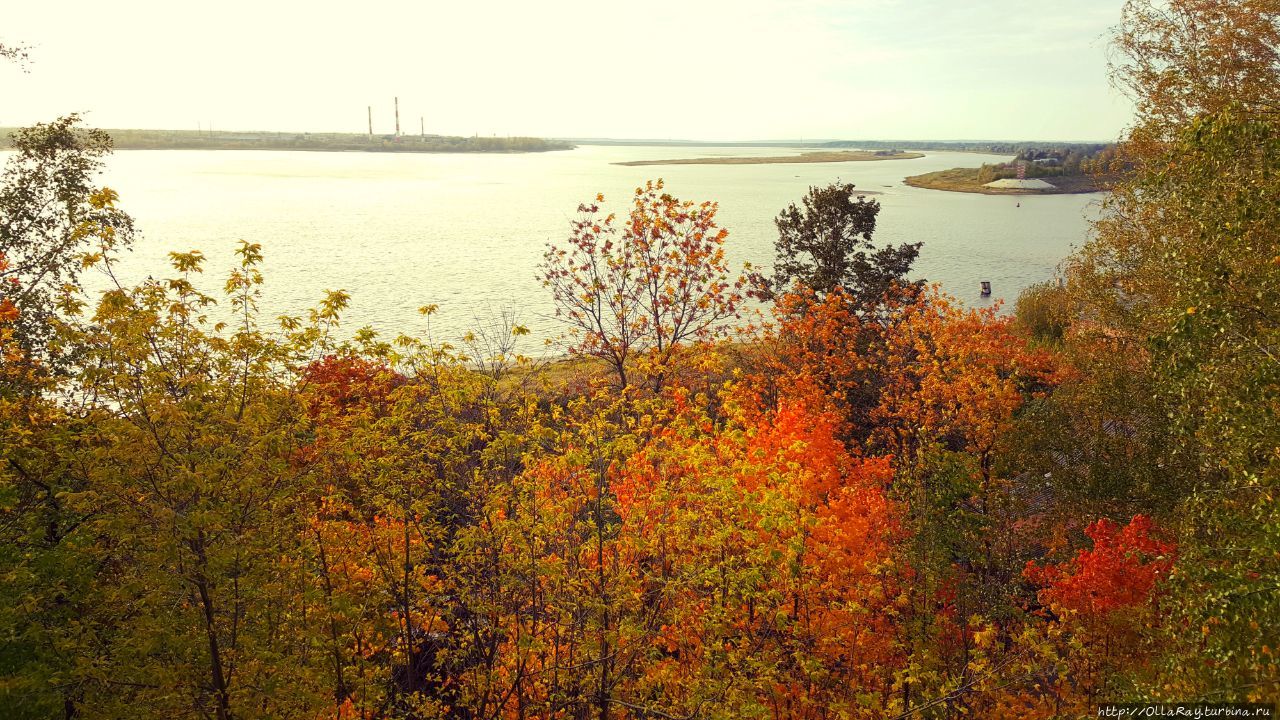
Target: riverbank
<point>127,139</point>
<point>966,180</point>
<point>809,157</point>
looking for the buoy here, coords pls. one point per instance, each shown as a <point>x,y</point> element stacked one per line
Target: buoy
<point>986,287</point>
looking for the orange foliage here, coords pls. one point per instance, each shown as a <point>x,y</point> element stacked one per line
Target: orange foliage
<point>820,346</point>
<point>339,392</point>
<point>923,370</point>
<point>15,365</point>
<point>1120,570</point>
<point>769,541</point>
<point>340,384</point>
<point>642,288</point>
<point>955,375</point>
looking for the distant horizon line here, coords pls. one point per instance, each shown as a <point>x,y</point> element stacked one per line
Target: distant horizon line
<point>588,140</point>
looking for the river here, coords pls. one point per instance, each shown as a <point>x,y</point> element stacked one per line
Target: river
<point>466,231</point>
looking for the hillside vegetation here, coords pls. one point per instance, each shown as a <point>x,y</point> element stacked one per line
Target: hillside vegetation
<point>866,501</point>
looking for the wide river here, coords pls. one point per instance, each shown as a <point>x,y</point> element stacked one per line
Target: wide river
<point>467,231</point>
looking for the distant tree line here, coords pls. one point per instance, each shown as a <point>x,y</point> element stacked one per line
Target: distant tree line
<point>993,147</point>
<point>1062,161</point>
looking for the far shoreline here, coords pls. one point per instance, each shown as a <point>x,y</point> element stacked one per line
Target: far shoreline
<point>803,158</point>
<point>132,139</point>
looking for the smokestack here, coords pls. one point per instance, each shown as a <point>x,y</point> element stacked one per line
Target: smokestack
<point>370,121</point>
<point>397,117</point>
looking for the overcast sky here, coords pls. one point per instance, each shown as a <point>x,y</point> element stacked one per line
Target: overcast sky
<point>694,69</point>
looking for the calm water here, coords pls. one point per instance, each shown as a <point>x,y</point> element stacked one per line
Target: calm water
<point>467,231</point>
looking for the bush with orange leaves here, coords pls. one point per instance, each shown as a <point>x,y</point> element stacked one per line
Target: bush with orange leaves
<point>1101,607</point>
<point>1120,571</point>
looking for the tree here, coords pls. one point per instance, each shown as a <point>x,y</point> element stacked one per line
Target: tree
<point>192,482</point>
<point>1043,312</point>
<point>548,623</point>
<point>397,455</point>
<point>642,291</point>
<point>1181,279</point>
<point>823,341</point>
<point>1182,58</point>
<point>765,551</point>
<point>52,219</point>
<point>936,388</point>
<point>953,381</point>
<point>46,564</point>
<point>1107,600</point>
<point>827,244</point>
<point>1208,222</point>
<point>1121,570</point>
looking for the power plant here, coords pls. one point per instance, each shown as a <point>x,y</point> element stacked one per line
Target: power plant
<point>422,121</point>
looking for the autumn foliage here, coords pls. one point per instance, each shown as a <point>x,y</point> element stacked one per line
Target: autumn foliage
<point>635,290</point>
<point>770,547</point>
<point>1119,571</point>
<point>864,502</point>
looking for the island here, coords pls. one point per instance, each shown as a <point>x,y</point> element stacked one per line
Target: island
<point>1042,170</point>
<point>971,180</point>
<point>809,157</point>
<point>127,139</point>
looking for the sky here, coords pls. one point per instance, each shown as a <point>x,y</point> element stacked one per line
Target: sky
<point>693,69</point>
